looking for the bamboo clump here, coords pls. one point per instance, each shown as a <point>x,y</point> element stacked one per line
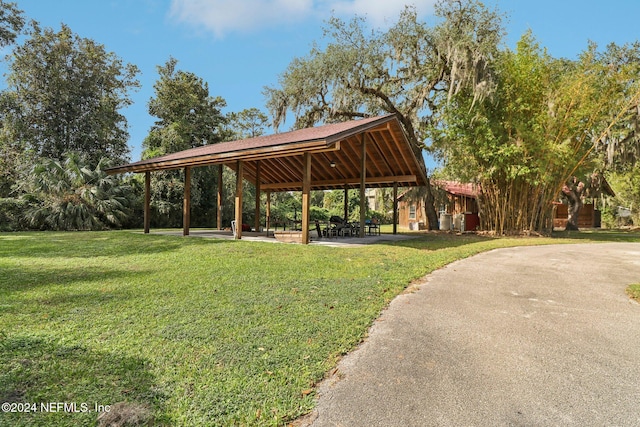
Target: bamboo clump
<point>574,129</point>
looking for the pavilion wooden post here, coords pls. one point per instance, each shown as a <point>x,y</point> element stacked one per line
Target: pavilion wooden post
<point>363,179</point>
<point>186,204</point>
<point>257,219</point>
<point>219,198</point>
<point>147,202</point>
<point>346,202</point>
<point>238,212</point>
<point>306,196</point>
<point>395,208</point>
<point>267,212</point>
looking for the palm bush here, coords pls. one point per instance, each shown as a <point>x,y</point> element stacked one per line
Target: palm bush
<point>71,195</point>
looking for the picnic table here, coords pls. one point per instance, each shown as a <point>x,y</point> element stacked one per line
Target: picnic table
<point>337,227</point>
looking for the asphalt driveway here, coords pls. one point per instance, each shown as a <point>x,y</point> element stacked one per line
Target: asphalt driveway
<point>534,336</point>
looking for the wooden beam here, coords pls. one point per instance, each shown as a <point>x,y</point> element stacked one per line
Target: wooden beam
<point>386,152</point>
<point>306,197</point>
<point>343,182</point>
<point>377,164</point>
<point>219,198</point>
<point>147,202</point>
<point>257,213</point>
<point>390,152</point>
<point>186,204</point>
<point>238,204</point>
<point>363,183</point>
<point>395,208</point>
<point>349,158</point>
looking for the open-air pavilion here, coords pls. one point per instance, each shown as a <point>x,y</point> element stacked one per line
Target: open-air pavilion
<point>367,153</point>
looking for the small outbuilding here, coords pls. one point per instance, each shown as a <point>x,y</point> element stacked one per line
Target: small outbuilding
<point>456,201</point>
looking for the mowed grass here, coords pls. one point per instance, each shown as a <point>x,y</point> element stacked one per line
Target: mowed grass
<point>634,291</point>
<point>195,331</point>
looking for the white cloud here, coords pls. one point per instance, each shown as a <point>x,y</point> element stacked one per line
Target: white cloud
<point>380,13</point>
<point>225,16</point>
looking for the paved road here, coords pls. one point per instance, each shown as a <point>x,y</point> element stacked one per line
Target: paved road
<point>535,336</point>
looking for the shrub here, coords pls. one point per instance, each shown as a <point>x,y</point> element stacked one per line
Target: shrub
<point>11,218</point>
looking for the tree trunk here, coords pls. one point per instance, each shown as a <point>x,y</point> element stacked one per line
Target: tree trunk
<point>429,201</point>
<point>573,194</point>
<point>574,210</point>
<point>430,208</point>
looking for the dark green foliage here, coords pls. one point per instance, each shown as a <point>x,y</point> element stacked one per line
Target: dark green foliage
<point>334,203</point>
<point>248,123</point>
<point>66,93</point>
<point>188,117</point>
<point>626,186</point>
<point>317,213</point>
<point>11,214</point>
<point>72,195</point>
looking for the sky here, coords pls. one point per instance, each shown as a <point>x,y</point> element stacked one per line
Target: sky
<point>240,46</point>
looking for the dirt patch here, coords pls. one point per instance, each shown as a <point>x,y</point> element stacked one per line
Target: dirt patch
<point>126,414</point>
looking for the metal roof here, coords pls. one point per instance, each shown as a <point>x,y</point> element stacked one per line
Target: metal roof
<point>389,157</point>
<point>458,188</point>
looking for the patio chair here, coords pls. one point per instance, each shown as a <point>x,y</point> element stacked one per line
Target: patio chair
<point>373,226</point>
<point>355,229</point>
<point>340,225</point>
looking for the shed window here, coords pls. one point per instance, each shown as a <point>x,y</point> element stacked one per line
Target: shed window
<point>412,212</point>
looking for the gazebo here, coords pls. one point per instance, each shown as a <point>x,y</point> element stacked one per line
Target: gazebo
<point>367,153</point>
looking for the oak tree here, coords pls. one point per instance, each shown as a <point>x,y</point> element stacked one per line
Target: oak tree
<point>65,93</point>
<point>411,70</point>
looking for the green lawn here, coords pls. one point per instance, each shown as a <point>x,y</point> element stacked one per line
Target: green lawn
<point>194,331</point>
<point>634,291</point>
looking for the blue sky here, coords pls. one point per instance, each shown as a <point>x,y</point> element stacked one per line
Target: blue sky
<point>240,46</point>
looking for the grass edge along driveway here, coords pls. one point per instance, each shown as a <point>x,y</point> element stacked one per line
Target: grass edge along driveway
<point>634,291</point>
<point>171,331</point>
